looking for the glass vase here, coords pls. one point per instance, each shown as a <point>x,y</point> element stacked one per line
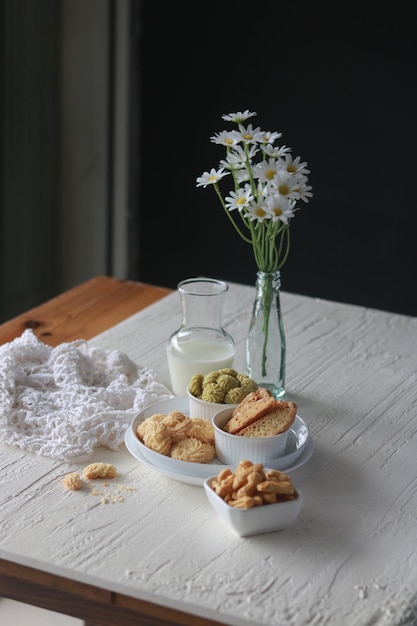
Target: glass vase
<point>265,343</point>
<point>200,345</point>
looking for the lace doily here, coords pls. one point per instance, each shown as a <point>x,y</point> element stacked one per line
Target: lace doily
<point>63,402</point>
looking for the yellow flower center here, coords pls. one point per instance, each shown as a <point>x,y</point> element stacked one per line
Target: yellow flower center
<point>284,190</point>
<point>241,201</point>
<point>229,141</point>
<point>291,169</point>
<point>248,137</point>
<point>277,211</point>
<point>270,174</point>
<point>212,179</point>
<point>260,212</point>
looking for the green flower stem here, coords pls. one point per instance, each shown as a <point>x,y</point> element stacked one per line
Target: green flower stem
<point>267,302</point>
<point>269,256</point>
<point>229,215</point>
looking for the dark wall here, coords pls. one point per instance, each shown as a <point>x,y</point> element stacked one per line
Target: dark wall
<point>341,87</point>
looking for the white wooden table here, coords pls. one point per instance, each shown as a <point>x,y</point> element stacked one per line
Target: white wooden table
<point>351,558</point>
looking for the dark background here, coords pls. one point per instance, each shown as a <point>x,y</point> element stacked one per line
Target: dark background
<point>340,86</point>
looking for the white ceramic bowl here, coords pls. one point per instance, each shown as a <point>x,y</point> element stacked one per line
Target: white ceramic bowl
<point>201,470</point>
<point>231,449</point>
<point>205,410</point>
<point>299,441</point>
<point>259,519</point>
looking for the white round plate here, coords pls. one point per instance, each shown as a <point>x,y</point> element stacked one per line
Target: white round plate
<point>191,479</point>
<point>299,448</point>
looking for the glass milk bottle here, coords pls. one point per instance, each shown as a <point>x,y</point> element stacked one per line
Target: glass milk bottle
<point>201,344</point>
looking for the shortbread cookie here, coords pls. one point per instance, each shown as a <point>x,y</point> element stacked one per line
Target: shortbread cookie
<point>202,430</point>
<point>73,481</point>
<point>224,386</point>
<point>193,450</point>
<point>141,428</point>
<point>173,418</point>
<point>178,425</point>
<point>157,437</point>
<point>235,395</point>
<point>100,470</point>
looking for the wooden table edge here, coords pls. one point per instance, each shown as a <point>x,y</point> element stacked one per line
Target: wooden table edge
<point>84,311</point>
<point>94,605</point>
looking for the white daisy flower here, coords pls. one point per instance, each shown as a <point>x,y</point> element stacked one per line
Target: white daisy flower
<point>238,118</point>
<point>266,171</point>
<point>287,185</point>
<point>274,151</point>
<point>262,190</point>
<point>302,191</point>
<point>269,138</point>
<point>239,199</point>
<point>242,175</point>
<point>280,207</point>
<point>239,155</point>
<point>228,164</point>
<point>211,177</point>
<point>293,166</point>
<point>257,211</point>
<point>250,134</point>
<point>227,138</point>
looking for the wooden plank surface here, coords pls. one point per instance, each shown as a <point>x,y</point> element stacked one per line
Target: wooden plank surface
<point>84,311</point>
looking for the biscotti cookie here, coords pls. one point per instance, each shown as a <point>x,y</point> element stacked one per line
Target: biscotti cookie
<point>256,404</point>
<point>274,423</point>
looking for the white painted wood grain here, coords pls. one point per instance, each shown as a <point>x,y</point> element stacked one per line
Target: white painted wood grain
<point>350,558</point>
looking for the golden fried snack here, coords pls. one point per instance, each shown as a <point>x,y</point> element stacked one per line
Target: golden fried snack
<point>193,450</point>
<point>246,502</point>
<point>249,488</point>
<point>224,487</point>
<point>100,470</point>
<point>242,472</point>
<point>274,486</point>
<point>251,485</point>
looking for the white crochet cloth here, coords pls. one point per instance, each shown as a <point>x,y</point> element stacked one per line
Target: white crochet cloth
<point>63,402</point>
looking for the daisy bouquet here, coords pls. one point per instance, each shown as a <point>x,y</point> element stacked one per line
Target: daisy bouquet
<point>265,185</point>
<point>267,182</point>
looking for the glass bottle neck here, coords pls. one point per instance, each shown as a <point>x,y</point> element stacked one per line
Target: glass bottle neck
<point>202,302</point>
<point>200,311</point>
<point>268,280</point>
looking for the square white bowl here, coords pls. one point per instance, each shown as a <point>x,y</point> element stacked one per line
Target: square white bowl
<point>231,449</point>
<point>259,519</point>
